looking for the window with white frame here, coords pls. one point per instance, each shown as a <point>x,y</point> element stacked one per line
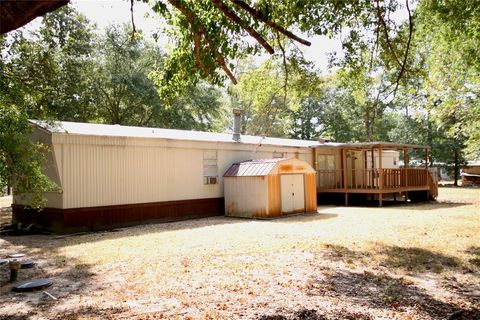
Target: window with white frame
<point>210,167</point>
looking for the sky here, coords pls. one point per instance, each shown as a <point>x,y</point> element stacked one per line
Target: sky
<point>106,12</point>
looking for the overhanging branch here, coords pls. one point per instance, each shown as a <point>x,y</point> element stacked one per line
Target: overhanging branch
<point>236,19</point>
<point>258,15</point>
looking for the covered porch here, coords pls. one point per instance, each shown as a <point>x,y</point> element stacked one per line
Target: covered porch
<point>375,169</point>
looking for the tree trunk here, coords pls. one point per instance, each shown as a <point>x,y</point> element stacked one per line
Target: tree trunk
<point>456,169</point>
<point>430,138</point>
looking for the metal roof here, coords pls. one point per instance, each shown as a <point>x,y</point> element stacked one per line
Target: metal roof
<point>108,130</point>
<point>251,168</point>
<point>375,144</point>
<point>94,129</point>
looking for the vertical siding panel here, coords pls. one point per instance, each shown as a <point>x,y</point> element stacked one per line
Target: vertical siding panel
<point>274,195</point>
<point>310,192</point>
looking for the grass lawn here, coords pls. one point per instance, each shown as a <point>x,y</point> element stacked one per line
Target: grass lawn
<point>414,261</point>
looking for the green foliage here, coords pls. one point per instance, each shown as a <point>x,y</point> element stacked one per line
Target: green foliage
<point>273,95</point>
<point>200,107</point>
<point>123,91</point>
<point>20,159</point>
<point>207,40</point>
<point>451,32</point>
<point>263,110</point>
<point>306,120</point>
<point>47,71</point>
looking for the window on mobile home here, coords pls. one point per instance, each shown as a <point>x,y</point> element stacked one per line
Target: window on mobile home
<point>326,168</point>
<point>210,167</point>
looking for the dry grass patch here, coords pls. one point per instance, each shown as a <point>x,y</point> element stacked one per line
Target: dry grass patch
<point>401,262</point>
<point>5,210</point>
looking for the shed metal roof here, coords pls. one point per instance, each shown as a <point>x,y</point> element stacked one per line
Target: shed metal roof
<point>252,168</point>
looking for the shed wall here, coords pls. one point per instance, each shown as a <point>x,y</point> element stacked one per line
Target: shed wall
<point>310,192</point>
<point>274,196</point>
<point>246,196</point>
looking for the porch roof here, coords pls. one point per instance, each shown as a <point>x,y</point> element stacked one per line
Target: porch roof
<point>375,144</point>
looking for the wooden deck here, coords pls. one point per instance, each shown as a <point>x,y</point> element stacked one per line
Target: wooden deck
<point>373,190</point>
<point>377,181</point>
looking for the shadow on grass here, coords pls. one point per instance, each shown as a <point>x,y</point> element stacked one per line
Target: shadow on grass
<point>388,204</point>
<point>305,217</point>
<point>434,205</point>
<point>310,314</point>
<point>69,277</point>
<point>91,312</point>
<point>58,241</point>
<point>475,253</point>
<point>381,291</point>
<point>337,253</point>
<point>416,260</point>
<point>81,312</point>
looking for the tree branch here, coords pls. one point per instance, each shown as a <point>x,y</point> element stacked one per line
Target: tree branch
<point>410,34</point>
<point>377,36</point>
<point>385,30</point>
<point>285,67</point>
<point>236,19</point>
<point>221,61</point>
<point>258,15</point>
<point>134,30</point>
<point>197,53</point>
<point>198,29</point>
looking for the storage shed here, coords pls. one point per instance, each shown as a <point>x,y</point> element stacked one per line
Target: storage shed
<point>268,188</point>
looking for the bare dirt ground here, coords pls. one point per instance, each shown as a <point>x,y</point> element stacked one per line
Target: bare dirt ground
<point>413,261</point>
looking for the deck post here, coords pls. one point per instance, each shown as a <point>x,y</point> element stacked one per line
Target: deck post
<point>373,168</point>
<point>345,175</point>
<point>405,174</point>
<point>315,167</point>
<point>365,170</point>
<point>426,166</point>
<point>426,173</point>
<point>380,182</point>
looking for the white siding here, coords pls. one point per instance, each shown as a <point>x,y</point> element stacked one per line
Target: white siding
<point>390,159</point>
<point>103,171</point>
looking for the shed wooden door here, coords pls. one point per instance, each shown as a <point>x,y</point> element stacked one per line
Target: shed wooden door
<point>293,193</point>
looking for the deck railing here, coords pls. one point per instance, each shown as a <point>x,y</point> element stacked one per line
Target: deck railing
<point>372,179</point>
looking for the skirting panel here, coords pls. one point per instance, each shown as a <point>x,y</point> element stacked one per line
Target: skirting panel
<point>107,217</point>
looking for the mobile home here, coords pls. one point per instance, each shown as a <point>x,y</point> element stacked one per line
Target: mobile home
<point>111,175</point>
